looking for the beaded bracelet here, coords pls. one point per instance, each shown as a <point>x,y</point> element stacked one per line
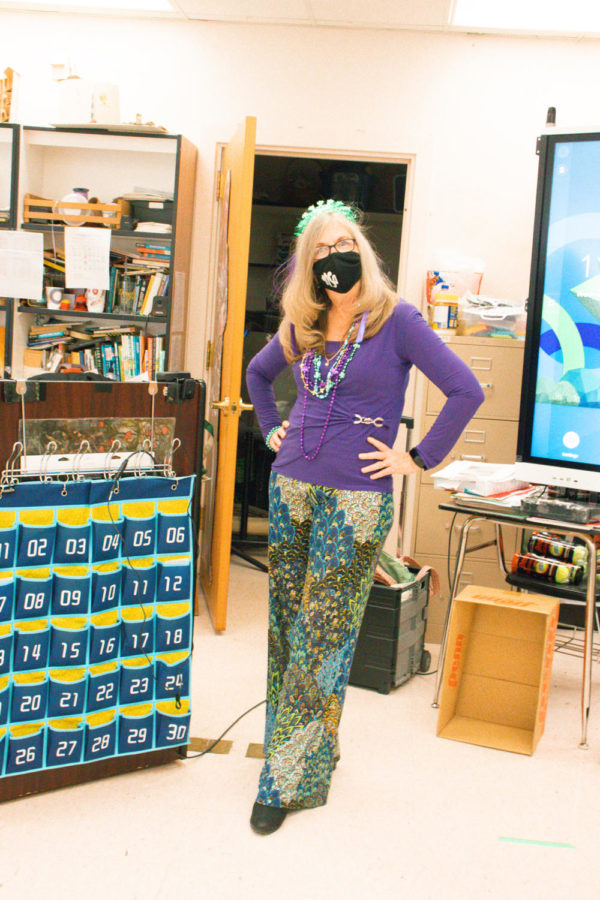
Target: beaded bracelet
<point>270,435</point>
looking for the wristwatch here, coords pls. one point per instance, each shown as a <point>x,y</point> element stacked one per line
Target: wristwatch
<point>416,458</point>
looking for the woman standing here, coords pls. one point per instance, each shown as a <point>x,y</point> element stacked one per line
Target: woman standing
<point>351,344</point>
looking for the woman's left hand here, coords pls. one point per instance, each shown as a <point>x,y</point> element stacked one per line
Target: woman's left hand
<point>388,461</point>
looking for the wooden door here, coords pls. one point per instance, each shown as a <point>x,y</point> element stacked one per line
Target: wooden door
<point>225,368</point>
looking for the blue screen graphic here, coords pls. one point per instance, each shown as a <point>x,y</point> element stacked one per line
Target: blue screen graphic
<point>566,420</point>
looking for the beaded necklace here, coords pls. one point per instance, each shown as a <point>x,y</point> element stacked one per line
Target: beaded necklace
<point>310,372</point>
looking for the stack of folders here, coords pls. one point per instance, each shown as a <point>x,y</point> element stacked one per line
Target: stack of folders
<point>483,485</point>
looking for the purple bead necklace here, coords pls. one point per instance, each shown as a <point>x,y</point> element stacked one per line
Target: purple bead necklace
<point>310,372</point>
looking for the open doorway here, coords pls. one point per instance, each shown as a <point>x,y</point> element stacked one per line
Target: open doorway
<point>284,186</point>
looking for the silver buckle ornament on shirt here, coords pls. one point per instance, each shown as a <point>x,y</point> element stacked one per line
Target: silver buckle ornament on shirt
<point>367,420</point>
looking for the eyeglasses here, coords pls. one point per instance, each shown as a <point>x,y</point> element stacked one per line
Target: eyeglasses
<point>344,245</point>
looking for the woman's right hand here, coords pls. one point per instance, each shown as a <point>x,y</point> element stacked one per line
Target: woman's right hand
<point>278,436</point>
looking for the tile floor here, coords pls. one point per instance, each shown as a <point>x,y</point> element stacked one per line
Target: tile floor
<point>409,814</point>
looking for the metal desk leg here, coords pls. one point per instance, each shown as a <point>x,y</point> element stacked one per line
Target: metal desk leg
<point>500,549</point>
<point>588,641</point>
<point>462,547</point>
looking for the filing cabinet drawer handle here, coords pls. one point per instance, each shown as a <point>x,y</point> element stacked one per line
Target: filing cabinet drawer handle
<point>473,457</point>
<point>481,362</point>
<point>472,436</point>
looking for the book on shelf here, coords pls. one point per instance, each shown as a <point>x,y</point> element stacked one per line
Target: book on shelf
<point>149,262</point>
<point>92,330</point>
<point>154,245</point>
<point>46,342</point>
<point>54,264</point>
<point>144,247</point>
<point>97,354</point>
<point>150,252</point>
<point>34,358</point>
<point>52,334</point>
<point>48,328</point>
<point>156,287</point>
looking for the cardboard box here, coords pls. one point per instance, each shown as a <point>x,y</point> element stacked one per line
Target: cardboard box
<point>496,677</point>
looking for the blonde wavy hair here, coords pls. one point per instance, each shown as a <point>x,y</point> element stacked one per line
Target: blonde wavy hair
<point>305,303</point>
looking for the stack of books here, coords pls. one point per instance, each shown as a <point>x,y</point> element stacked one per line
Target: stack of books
<point>117,351</point>
<point>131,356</point>
<point>134,291</point>
<point>48,335</point>
<point>152,254</point>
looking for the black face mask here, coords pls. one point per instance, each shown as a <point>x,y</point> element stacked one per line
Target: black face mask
<point>338,272</point>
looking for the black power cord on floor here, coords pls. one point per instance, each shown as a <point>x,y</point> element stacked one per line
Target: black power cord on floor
<point>227,730</point>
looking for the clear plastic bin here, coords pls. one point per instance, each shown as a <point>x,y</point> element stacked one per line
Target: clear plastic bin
<point>497,320</point>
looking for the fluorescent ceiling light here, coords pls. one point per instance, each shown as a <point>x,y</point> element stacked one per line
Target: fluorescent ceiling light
<point>563,16</point>
<point>112,5</point>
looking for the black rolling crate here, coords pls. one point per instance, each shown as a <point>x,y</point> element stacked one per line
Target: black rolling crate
<point>390,646</point>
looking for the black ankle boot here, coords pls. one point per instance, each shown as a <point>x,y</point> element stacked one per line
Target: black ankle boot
<point>266,819</point>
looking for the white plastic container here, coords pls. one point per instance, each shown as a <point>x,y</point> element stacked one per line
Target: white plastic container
<point>443,311</point>
<point>484,317</point>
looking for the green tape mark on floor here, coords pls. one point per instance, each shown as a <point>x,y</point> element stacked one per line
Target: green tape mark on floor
<point>509,840</point>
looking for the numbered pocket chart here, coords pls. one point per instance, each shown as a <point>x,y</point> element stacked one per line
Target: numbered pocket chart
<point>95,620</point>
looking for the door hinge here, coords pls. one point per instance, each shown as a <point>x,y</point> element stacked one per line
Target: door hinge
<point>220,184</point>
<point>210,354</point>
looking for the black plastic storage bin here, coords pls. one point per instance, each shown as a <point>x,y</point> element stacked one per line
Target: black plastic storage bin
<point>390,646</point>
<point>152,210</point>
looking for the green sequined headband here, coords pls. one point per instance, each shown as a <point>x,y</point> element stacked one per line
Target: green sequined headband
<point>321,206</point>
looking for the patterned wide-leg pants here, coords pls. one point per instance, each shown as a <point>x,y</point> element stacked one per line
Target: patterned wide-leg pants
<point>323,549</point>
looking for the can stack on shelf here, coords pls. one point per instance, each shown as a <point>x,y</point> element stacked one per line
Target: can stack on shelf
<point>550,557</point>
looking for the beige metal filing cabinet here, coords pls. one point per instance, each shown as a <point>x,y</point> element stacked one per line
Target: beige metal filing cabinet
<point>491,436</point>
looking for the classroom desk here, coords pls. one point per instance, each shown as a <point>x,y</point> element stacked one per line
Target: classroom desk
<point>518,520</point>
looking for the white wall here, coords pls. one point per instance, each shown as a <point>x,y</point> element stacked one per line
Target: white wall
<point>470,108</point>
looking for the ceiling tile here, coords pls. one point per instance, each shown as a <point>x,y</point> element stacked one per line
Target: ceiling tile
<point>247,10</point>
<point>383,13</point>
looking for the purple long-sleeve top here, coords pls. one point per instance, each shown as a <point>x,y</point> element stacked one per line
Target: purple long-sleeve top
<point>373,388</point>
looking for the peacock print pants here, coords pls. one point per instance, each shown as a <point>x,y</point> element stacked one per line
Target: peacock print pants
<point>323,549</point>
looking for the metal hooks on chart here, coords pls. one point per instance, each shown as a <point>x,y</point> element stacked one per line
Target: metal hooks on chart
<point>112,456</point>
<point>51,449</point>
<point>9,475</point>
<point>64,466</point>
<point>169,470</point>
<point>85,463</point>
<point>84,448</point>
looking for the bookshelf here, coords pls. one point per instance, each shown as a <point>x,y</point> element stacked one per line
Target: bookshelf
<point>9,172</point>
<point>145,311</point>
